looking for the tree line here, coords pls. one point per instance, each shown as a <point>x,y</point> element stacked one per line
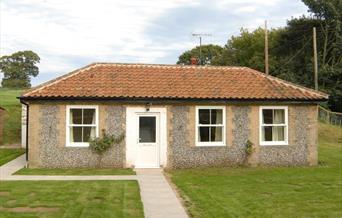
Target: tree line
<point>290,50</point>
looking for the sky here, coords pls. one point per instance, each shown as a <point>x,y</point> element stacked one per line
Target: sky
<point>69,34</point>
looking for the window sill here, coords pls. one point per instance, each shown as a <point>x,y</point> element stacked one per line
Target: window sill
<point>274,144</point>
<point>77,145</point>
<point>210,145</point>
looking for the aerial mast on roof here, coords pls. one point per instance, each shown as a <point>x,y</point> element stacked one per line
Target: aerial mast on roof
<point>200,35</point>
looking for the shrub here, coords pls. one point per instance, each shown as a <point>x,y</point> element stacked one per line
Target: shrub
<point>101,144</point>
<point>249,147</point>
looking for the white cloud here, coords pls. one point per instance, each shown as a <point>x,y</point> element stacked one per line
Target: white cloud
<point>246,9</point>
<point>235,3</point>
<point>70,33</point>
<point>81,27</point>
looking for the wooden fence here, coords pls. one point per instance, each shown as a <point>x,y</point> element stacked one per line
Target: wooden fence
<point>327,116</point>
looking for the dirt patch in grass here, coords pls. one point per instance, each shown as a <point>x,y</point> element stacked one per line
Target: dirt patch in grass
<point>11,146</point>
<point>11,201</point>
<point>4,194</point>
<point>29,209</point>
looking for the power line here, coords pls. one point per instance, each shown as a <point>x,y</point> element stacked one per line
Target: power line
<point>298,52</point>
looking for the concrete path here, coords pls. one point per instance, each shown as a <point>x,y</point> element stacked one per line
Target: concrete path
<point>158,197</point>
<point>11,167</point>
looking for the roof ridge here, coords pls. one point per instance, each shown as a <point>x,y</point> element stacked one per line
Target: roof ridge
<point>170,65</point>
<point>287,83</point>
<point>58,79</point>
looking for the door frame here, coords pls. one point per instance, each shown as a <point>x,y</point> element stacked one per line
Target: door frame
<point>132,133</point>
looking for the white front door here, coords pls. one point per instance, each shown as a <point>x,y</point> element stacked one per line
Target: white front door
<point>146,141</point>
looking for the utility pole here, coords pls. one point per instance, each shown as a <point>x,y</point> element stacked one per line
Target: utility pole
<point>266,48</point>
<point>200,35</point>
<point>315,58</point>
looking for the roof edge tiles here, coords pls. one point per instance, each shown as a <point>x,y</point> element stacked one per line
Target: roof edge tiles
<point>55,88</point>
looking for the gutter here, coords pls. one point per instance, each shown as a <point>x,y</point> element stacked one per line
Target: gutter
<point>27,128</point>
<point>164,100</point>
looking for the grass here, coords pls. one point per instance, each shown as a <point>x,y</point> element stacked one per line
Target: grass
<point>268,192</point>
<point>70,199</point>
<point>7,154</point>
<point>12,105</point>
<point>79,171</point>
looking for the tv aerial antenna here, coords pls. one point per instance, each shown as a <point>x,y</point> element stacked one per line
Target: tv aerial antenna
<point>200,35</point>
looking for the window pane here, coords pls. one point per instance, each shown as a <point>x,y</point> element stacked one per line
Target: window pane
<point>267,115</point>
<point>278,133</point>
<point>267,133</point>
<point>89,116</point>
<point>75,116</point>
<point>216,116</point>
<point>204,116</point>
<point>216,134</point>
<point>75,134</point>
<point>88,133</point>
<point>147,129</point>
<point>279,116</point>
<point>203,135</point>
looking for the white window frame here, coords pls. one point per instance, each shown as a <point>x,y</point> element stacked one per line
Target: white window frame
<point>286,125</point>
<point>223,125</point>
<point>68,125</point>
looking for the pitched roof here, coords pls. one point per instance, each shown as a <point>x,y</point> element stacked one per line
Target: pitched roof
<point>134,81</point>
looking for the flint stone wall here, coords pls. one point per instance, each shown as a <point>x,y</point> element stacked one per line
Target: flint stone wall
<point>47,139</point>
<point>296,153</point>
<point>54,154</point>
<point>302,136</point>
<point>182,155</point>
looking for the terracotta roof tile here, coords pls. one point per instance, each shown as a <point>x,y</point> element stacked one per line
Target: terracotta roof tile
<point>171,81</point>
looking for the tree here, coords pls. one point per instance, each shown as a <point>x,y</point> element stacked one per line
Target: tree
<point>295,54</point>
<point>328,14</point>
<point>210,55</point>
<point>291,52</point>
<point>248,48</point>
<point>18,67</point>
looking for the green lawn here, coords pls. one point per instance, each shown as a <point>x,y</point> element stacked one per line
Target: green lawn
<point>79,171</point>
<point>269,192</point>
<point>7,154</point>
<point>70,199</point>
<point>12,105</point>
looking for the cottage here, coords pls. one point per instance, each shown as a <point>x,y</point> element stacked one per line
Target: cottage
<point>172,116</point>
